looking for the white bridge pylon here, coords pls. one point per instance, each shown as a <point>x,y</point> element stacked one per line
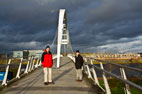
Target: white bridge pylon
<point>63,34</point>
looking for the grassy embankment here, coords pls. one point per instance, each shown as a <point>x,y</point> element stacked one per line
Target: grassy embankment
<point>117,87</point>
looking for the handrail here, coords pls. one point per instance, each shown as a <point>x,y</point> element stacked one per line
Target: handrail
<point>122,78</point>
<point>4,82</point>
<point>119,65</point>
<point>32,64</point>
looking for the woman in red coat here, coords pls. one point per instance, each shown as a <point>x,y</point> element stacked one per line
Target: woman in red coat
<point>47,63</point>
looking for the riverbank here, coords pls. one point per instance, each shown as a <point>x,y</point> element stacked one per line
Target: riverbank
<point>117,87</point>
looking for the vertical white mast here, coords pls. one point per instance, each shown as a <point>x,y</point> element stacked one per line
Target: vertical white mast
<point>62,37</point>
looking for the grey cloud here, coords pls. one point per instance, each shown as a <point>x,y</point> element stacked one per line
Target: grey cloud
<point>92,23</point>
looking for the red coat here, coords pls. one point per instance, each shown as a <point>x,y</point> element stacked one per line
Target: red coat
<point>47,59</point>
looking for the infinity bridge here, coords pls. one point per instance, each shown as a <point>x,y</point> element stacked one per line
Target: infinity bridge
<point>29,73</point>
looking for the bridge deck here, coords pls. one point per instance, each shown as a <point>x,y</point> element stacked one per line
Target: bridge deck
<point>64,78</point>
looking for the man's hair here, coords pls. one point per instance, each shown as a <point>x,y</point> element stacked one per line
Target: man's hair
<point>47,47</point>
<point>77,51</point>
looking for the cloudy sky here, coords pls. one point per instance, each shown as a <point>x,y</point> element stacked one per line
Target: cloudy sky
<point>94,25</point>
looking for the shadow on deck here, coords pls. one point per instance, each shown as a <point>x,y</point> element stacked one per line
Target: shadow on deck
<point>64,79</point>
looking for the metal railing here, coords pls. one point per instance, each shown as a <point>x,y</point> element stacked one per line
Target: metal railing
<point>31,64</point>
<point>90,69</point>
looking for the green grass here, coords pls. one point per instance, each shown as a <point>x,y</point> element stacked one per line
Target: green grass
<point>126,61</point>
<point>3,61</point>
<point>117,87</point>
<point>13,61</point>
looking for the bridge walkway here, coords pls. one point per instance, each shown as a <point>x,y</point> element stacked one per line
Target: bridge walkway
<point>64,79</point>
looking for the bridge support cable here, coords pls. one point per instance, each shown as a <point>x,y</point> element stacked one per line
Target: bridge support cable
<point>70,47</point>
<point>54,43</point>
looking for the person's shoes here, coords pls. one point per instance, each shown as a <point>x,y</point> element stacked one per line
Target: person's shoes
<point>80,80</point>
<point>50,82</point>
<point>46,83</point>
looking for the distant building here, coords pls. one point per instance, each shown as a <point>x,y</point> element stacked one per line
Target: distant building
<point>17,54</point>
<point>36,53</point>
<point>116,56</point>
<point>27,53</point>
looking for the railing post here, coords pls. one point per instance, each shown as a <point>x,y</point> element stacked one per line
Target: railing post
<point>29,70</point>
<point>37,63</point>
<point>123,75</point>
<point>94,74</point>
<point>86,60</point>
<point>105,80</point>
<point>88,71</point>
<point>73,59</point>
<point>92,62</point>
<point>4,82</point>
<point>84,67</point>
<point>33,64</point>
<point>26,71</point>
<point>19,69</point>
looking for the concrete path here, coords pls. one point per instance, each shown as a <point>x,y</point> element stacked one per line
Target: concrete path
<point>64,79</point>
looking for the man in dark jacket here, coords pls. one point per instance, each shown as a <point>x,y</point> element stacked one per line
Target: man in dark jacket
<point>78,65</point>
<point>47,63</point>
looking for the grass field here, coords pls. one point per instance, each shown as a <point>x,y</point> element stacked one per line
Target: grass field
<point>117,87</point>
<point>4,61</point>
<point>15,61</point>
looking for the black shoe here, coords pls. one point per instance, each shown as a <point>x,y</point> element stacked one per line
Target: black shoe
<point>80,80</point>
<point>50,82</point>
<point>46,83</point>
